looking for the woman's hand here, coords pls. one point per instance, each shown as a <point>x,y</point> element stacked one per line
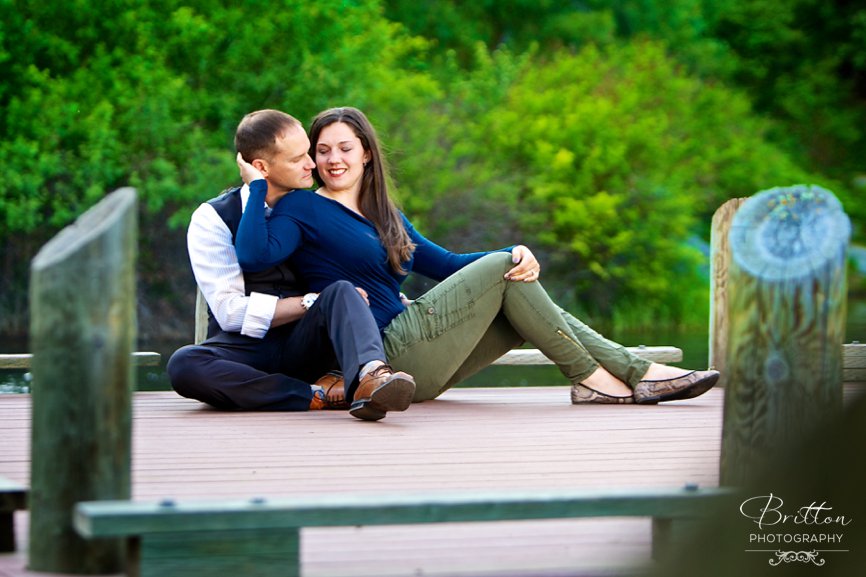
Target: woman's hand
<point>249,172</point>
<point>363,294</point>
<point>528,269</point>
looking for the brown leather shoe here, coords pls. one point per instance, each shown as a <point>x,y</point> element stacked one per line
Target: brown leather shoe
<point>687,386</point>
<point>335,391</point>
<point>382,390</point>
<point>319,402</point>
<point>581,394</point>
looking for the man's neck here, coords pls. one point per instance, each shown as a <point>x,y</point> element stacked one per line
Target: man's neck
<point>274,195</point>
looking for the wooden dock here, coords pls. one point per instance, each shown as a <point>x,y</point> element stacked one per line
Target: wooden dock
<point>469,440</point>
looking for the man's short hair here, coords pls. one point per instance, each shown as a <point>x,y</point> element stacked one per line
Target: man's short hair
<point>258,131</point>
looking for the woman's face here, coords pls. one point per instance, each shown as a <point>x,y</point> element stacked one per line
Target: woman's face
<point>340,157</point>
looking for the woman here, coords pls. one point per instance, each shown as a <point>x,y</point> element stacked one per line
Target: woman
<point>487,302</point>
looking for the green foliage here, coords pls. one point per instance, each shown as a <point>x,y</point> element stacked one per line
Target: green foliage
<point>585,158</point>
<point>803,62</point>
<point>104,94</point>
<point>458,27</point>
<point>602,133</point>
<point>800,61</point>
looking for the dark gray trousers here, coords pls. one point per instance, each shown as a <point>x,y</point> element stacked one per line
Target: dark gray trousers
<point>233,371</point>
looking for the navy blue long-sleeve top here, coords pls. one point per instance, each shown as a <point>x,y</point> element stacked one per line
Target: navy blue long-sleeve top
<point>328,242</point>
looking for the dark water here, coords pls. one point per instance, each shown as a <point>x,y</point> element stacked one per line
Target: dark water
<point>694,344</point>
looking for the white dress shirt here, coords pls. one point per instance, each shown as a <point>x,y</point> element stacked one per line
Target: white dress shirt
<point>219,276</point>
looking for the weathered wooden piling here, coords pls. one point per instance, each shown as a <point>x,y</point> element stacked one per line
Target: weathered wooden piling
<point>83,324</point>
<point>720,263</point>
<point>786,292</point>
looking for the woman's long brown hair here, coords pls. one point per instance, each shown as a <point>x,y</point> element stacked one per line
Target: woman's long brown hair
<point>375,202</point>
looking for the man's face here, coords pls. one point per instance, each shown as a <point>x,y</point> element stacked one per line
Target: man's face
<point>290,165</point>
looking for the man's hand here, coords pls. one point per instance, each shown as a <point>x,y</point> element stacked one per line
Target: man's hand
<point>528,269</point>
<point>249,172</point>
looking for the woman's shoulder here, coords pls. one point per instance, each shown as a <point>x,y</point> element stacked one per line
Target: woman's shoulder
<point>302,195</point>
<point>407,224</point>
<point>299,199</point>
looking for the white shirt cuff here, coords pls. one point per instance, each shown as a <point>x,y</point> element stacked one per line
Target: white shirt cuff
<point>259,314</point>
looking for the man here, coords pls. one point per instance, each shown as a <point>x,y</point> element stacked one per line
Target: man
<point>267,339</point>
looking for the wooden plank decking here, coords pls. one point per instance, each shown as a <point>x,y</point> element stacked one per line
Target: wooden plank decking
<point>469,440</point>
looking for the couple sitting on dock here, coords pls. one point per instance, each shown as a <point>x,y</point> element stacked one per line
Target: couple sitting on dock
<point>303,282</point>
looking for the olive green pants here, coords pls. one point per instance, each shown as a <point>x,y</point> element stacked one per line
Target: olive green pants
<point>475,316</point>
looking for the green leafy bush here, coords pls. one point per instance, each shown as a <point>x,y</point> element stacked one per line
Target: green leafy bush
<point>610,162</point>
<point>103,94</point>
<point>601,134</point>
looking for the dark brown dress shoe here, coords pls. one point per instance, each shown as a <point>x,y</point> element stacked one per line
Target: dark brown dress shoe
<point>382,390</point>
<point>688,386</point>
